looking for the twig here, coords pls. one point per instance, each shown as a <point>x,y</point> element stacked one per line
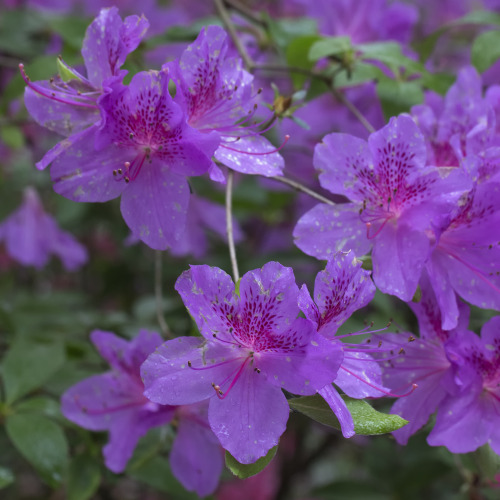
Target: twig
<point>229,225</point>
<point>300,187</point>
<point>352,108</point>
<point>245,11</point>
<point>159,296</point>
<point>221,10</point>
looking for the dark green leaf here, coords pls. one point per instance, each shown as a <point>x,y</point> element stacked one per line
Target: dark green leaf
<point>329,46</point>
<point>6,477</point>
<point>296,55</point>
<point>350,490</point>
<point>40,404</point>
<point>367,420</point>
<point>485,50</point>
<point>247,470</point>
<point>84,476</point>
<point>70,29</point>
<point>28,365</point>
<point>398,96</point>
<point>41,442</point>
<point>156,473</point>
<point>488,462</point>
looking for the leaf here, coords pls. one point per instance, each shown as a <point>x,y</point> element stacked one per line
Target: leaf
<point>28,365</point>
<point>84,477</point>
<point>156,473</point>
<point>398,96</point>
<point>244,471</point>
<point>297,55</point>
<point>70,28</point>
<point>485,50</point>
<point>329,46</point>
<point>66,72</point>
<point>487,461</point>
<point>12,136</point>
<point>350,490</point>
<point>6,477</point>
<point>283,31</point>
<point>42,443</point>
<point>40,404</point>
<point>367,420</point>
<point>389,53</point>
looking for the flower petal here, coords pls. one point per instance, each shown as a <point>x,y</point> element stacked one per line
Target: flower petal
<point>338,406</point>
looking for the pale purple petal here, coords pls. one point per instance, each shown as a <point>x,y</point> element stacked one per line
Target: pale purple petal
<point>196,457</point>
<point>345,165</point>
<point>251,155</point>
<point>72,253</point>
<point>169,379</point>
<point>308,365</point>
<point>338,406</point>
<point>399,254</point>
<point>249,422</point>
<point>213,305</point>
<point>80,173</point>
<point>108,41</point>
<point>154,205</point>
<point>325,229</point>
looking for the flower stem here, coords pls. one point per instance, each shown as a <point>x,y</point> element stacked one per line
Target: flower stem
<point>300,187</point>
<point>229,225</point>
<point>159,296</point>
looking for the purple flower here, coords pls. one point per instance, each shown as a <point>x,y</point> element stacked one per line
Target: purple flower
<point>425,362</point>
<point>466,260</point>
<point>31,236</point>
<point>218,95</point>
<point>143,150</point>
<point>397,203</point>
<point>67,104</point>
<point>114,401</point>
<point>253,347</point>
<point>467,420</point>
<point>339,290</point>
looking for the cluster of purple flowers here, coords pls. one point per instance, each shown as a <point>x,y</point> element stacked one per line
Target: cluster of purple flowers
<point>421,194</point>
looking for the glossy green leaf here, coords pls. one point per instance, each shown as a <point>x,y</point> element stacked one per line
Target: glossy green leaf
<point>398,96</point>
<point>28,365</point>
<point>42,442</point>
<point>247,470</point>
<point>297,56</point>
<point>367,420</point>
<point>84,477</point>
<point>6,477</point>
<point>329,47</point>
<point>485,50</point>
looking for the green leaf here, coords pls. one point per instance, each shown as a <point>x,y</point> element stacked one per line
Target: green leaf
<point>84,477</point>
<point>398,96</point>
<point>6,477</point>
<point>156,473</point>
<point>367,420</point>
<point>283,31</point>
<point>41,442</point>
<point>389,53</point>
<point>28,365</point>
<point>329,47</point>
<point>487,461</point>
<point>40,404</point>
<point>70,28</point>
<point>296,55</point>
<point>247,470</point>
<point>12,136</point>
<point>350,490</point>
<point>66,72</point>
<point>485,50</point>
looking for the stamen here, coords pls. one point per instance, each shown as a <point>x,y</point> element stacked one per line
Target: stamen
<point>222,395</point>
<point>215,365</point>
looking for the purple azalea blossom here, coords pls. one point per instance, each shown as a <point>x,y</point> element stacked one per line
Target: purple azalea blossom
<point>470,419</point>
<point>143,151</point>
<point>67,104</point>
<point>253,347</point>
<point>31,236</point>
<point>467,257</point>
<point>218,95</point>
<point>398,204</point>
<point>339,290</point>
<point>461,125</point>
<point>114,401</point>
<point>425,362</point>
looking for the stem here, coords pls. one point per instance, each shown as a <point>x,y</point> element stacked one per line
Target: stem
<point>229,226</point>
<point>159,296</point>
<point>245,11</point>
<point>300,187</point>
<point>352,108</point>
<point>224,15</point>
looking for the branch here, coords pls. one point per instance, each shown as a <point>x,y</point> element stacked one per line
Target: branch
<point>226,19</point>
<point>300,187</point>
<point>159,296</point>
<point>229,226</point>
<point>245,11</point>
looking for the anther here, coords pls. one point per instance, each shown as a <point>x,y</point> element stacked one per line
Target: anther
<point>114,172</point>
<point>51,80</point>
<point>127,180</point>
<point>411,338</point>
<point>259,91</point>
<point>190,364</point>
<point>401,351</point>
<point>379,343</point>
<point>120,171</point>
<point>257,370</point>
<point>131,135</point>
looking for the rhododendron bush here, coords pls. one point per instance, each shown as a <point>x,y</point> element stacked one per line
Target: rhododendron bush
<point>276,238</point>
